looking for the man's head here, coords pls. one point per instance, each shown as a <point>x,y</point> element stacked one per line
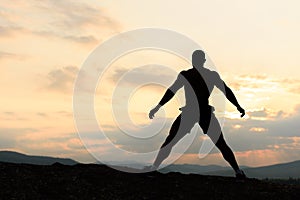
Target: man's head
<point>198,58</point>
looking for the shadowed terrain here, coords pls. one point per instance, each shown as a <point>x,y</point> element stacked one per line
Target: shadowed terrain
<point>91,181</point>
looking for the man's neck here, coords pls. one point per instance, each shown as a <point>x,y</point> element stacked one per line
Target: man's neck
<point>198,67</point>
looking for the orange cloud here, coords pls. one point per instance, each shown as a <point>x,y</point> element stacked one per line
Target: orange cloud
<point>62,80</point>
<point>73,21</point>
<point>258,129</point>
<point>252,158</point>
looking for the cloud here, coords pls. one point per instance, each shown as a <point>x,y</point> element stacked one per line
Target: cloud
<point>5,55</point>
<point>252,158</point>
<point>242,134</point>
<point>266,114</point>
<point>75,15</point>
<point>9,31</point>
<point>144,74</point>
<point>286,127</point>
<point>62,80</point>
<point>254,76</point>
<point>264,83</point>
<point>11,116</point>
<point>9,136</point>
<point>64,145</point>
<point>259,82</point>
<point>17,31</point>
<point>258,113</point>
<point>42,114</point>
<point>82,39</point>
<point>9,113</point>
<point>73,38</point>
<point>257,129</point>
<point>75,21</point>
<point>65,113</point>
<point>127,141</point>
<point>292,85</point>
<point>10,56</point>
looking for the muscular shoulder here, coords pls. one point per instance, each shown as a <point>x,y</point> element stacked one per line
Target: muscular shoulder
<point>183,72</point>
<point>186,73</point>
<point>206,73</point>
<point>210,73</point>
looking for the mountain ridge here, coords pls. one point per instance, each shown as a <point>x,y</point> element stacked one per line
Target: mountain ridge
<point>277,171</point>
<point>16,157</point>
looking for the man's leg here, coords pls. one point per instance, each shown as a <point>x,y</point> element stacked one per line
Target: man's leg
<point>214,131</point>
<point>227,153</point>
<point>178,130</point>
<point>229,157</point>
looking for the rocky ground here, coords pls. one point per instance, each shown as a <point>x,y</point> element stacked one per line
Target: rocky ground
<point>23,181</point>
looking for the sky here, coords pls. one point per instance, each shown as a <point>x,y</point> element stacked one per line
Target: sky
<point>254,45</point>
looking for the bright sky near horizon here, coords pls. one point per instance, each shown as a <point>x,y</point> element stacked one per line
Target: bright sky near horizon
<point>254,45</point>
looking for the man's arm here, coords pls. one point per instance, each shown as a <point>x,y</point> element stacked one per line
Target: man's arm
<point>168,95</point>
<point>229,94</point>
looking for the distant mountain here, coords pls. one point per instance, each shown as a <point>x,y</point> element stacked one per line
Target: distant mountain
<point>280,171</point>
<point>15,157</point>
<point>129,164</point>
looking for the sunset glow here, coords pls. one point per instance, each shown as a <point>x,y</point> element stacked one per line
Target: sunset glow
<point>254,45</point>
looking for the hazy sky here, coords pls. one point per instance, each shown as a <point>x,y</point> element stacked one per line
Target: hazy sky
<point>254,45</point>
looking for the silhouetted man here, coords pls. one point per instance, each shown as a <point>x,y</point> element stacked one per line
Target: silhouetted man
<point>198,83</point>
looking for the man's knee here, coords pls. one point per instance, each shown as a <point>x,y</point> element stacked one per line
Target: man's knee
<point>169,142</point>
<point>221,144</point>
<point>165,144</point>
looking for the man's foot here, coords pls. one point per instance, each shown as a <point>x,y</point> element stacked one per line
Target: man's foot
<point>240,175</point>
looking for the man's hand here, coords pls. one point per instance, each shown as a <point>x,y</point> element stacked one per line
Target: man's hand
<point>153,111</point>
<point>241,110</point>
